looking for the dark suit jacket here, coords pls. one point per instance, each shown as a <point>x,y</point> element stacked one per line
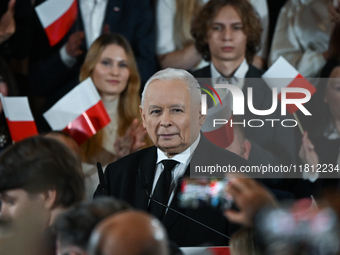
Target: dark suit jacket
<point>270,145</point>
<point>51,78</point>
<point>124,182</point>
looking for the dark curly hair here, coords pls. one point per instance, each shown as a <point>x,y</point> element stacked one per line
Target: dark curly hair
<point>250,20</point>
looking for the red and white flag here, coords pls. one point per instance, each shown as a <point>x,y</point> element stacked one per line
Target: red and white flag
<point>57,17</point>
<point>80,113</point>
<point>206,250</point>
<point>19,118</point>
<point>281,75</point>
<point>215,128</point>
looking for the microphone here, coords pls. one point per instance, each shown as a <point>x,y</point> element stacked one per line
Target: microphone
<point>102,181</point>
<point>144,184</point>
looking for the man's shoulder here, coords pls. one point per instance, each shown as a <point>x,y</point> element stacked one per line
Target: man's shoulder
<point>254,72</point>
<point>207,152</point>
<point>260,84</point>
<point>132,160</point>
<point>202,73</point>
<point>224,155</point>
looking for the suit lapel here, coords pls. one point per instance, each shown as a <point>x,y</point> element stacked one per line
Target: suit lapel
<point>146,169</point>
<point>203,73</point>
<point>79,26</point>
<point>113,12</point>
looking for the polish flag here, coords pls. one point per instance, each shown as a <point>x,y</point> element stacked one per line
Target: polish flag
<point>19,117</point>
<point>80,113</point>
<point>220,135</point>
<point>281,75</point>
<point>57,17</point>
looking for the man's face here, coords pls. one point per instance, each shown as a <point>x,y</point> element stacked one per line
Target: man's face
<point>21,211</point>
<point>172,123</point>
<point>226,38</point>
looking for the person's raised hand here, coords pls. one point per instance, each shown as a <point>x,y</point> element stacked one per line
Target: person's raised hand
<point>132,141</point>
<point>307,153</point>
<point>7,22</point>
<point>73,44</point>
<point>249,196</point>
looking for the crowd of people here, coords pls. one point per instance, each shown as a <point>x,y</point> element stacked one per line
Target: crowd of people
<point>146,59</point>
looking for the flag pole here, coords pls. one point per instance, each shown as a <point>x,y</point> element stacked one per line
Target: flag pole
<point>299,123</point>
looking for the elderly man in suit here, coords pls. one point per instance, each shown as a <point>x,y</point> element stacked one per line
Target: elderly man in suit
<point>172,116</point>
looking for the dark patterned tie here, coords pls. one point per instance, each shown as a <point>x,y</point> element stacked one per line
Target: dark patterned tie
<point>162,189</point>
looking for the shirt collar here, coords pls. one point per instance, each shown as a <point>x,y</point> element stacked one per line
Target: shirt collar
<point>183,157</point>
<point>240,72</point>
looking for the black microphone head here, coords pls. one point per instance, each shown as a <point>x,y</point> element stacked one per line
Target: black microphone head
<point>99,166</point>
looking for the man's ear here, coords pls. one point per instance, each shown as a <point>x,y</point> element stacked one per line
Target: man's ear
<point>201,117</point>
<point>142,114</point>
<point>50,197</point>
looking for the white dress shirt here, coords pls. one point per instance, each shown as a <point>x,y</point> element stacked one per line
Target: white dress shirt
<point>93,13</point>
<point>179,170</point>
<point>237,78</point>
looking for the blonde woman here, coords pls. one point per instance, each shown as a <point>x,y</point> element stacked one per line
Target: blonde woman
<point>111,65</point>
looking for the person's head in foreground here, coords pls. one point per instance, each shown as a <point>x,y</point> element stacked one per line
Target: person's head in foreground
<point>243,242</point>
<point>39,178</point>
<point>129,233</point>
<point>227,30</point>
<point>66,139</point>
<point>73,228</point>
<point>171,110</point>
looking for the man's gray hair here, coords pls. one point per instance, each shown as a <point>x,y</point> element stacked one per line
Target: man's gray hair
<point>172,74</point>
